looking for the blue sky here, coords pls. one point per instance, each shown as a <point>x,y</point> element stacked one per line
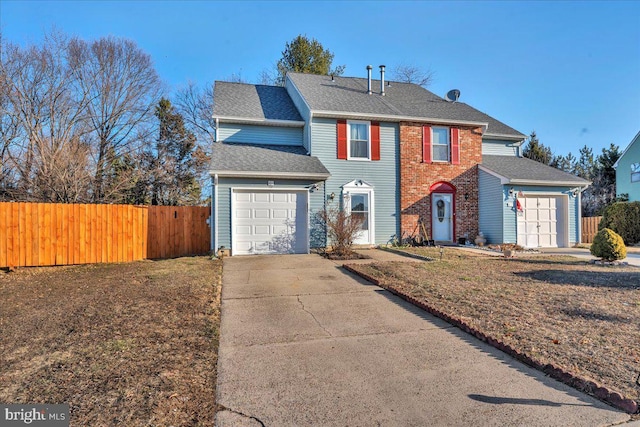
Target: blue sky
<point>568,70</point>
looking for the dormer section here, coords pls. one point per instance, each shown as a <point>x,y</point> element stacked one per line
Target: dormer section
<point>256,114</point>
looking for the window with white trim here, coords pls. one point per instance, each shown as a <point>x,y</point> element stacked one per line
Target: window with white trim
<point>440,144</point>
<point>635,172</point>
<point>358,140</point>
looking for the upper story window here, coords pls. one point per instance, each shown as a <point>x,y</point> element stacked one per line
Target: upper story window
<point>440,144</point>
<point>635,172</point>
<point>358,140</point>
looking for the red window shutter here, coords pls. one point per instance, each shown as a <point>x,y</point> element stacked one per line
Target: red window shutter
<point>342,139</point>
<point>375,141</point>
<point>455,146</point>
<point>426,144</point>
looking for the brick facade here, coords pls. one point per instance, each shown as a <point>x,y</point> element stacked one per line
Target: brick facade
<point>417,177</point>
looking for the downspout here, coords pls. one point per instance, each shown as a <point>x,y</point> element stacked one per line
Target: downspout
<point>214,201</point>
<point>310,124</point>
<point>214,215</point>
<point>579,219</point>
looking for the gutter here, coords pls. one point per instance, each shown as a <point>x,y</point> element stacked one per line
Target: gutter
<point>263,122</point>
<point>549,183</point>
<point>546,183</point>
<point>519,139</point>
<point>260,174</point>
<point>396,118</point>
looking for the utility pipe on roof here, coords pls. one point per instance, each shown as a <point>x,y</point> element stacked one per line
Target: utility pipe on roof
<point>382,80</point>
<point>369,68</point>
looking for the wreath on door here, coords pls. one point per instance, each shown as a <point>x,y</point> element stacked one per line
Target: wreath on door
<point>440,208</point>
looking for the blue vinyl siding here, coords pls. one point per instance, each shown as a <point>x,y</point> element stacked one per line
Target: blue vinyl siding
<point>491,199</point>
<point>500,148</point>
<point>304,112</point>
<point>510,216</point>
<point>273,135</point>
<point>623,171</point>
<point>383,174</point>
<point>316,200</point>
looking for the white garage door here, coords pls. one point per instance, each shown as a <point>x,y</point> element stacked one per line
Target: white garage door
<point>540,224</point>
<point>269,222</point>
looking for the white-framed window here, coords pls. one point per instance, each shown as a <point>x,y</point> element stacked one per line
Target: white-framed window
<point>440,144</point>
<point>358,140</point>
<point>635,172</point>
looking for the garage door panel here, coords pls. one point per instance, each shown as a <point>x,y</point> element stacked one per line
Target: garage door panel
<point>243,229</point>
<point>242,197</point>
<point>277,222</point>
<point>281,214</point>
<point>243,213</point>
<point>262,230</point>
<point>261,197</point>
<point>280,197</point>
<point>261,213</point>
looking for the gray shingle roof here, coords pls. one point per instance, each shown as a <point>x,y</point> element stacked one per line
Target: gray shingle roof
<point>523,170</point>
<point>250,160</point>
<point>349,95</point>
<point>253,102</point>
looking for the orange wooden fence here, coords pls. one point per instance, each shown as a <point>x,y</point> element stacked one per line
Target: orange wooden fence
<point>590,228</point>
<point>178,230</point>
<point>40,234</point>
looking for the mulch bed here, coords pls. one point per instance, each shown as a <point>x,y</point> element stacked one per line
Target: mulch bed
<point>576,321</point>
<point>343,257</point>
<point>130,344</point>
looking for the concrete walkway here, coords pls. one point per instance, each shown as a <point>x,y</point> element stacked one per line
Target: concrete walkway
<point>305,343</point>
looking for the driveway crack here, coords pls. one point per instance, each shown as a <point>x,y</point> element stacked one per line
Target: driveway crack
<point>224,408</point>
<point>314,317</point>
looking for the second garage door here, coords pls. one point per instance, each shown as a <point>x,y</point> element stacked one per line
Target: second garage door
<point>269,222</point>
<point>541,222</point>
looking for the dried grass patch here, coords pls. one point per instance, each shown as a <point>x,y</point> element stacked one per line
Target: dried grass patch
<point>581,317</point>
<point>123,344</point>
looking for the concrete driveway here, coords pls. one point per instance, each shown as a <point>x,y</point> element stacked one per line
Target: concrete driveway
<point>305,343</point>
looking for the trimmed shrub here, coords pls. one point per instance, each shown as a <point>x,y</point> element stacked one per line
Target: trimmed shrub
<point>608,245</point>
<point>624,219</point>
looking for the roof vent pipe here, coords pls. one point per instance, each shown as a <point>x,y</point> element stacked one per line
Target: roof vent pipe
<point>382,80</point>
<point>369,68</point>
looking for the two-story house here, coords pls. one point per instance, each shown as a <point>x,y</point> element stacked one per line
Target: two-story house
<point>628,171</point>
<point>393,153</point>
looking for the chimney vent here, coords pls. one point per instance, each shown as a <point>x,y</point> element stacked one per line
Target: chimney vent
<point>369,68</point>
<point>382,80</point>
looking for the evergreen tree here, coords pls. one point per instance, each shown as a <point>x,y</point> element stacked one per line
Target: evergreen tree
<point>172,163</point>
<point>306,56</point>
<point>537,151</point>
<point>586,164</point>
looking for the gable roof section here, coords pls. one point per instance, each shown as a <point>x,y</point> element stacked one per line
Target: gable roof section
<point>633,141</point>
<point>238,102</point>
<point>402,101</point>
<point>262,161</point>
<point>524,171</point>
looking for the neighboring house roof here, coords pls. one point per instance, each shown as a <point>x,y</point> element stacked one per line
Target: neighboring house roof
<point>633,141</point>
<point>253,103</point>
<point>402,101</point>
<point>273,161</point>
<point>524,171</point>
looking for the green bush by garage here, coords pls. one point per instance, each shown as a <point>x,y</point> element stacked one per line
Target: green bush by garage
<point>624,219</point>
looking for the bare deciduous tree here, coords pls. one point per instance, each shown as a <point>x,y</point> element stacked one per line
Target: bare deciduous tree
<point>48,114</point>
<point>196,107</point>
<point>122,87</point>
<point>407,73</point>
